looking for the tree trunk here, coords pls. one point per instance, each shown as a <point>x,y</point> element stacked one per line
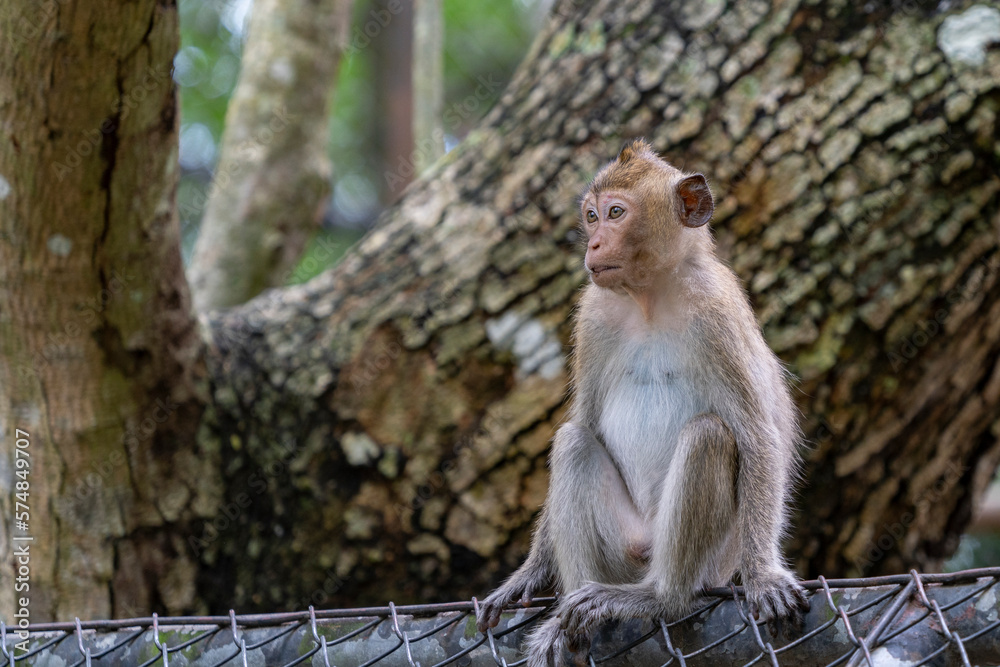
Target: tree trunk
<point>428,81</point>
<point>388,27</point>
<point>385,427</point>
<point>101,357</point>
<point>381,431</point>
<point>273,175</point>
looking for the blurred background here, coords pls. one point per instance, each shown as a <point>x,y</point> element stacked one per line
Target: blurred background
<point>371,133</point>
<point>370,129</point>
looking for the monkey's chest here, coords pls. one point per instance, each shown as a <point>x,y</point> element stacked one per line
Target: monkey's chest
<point>650,398</point>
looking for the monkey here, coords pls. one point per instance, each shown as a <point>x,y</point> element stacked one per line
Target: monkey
<point>674,467</point>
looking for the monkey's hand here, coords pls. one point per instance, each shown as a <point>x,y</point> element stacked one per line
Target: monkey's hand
<point>522,587</point>
<point>778,599</point>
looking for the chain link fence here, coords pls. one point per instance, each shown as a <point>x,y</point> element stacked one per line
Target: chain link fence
<point>915,619</point>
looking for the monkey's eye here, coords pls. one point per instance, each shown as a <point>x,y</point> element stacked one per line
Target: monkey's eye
<point>591,216</point>
<point>615,212</point>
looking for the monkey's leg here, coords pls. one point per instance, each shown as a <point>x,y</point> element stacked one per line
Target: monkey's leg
<point>589,529</point>
<point>546,644</point>
<point>597,532</point>
<point>692,532</point>
<point>697,513</point>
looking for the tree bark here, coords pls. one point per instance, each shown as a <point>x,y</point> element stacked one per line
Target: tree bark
<point>274,170</point>
<point>386,425</point>
<point>101,357</point>
<point>380,432</point>
<point>428,81</point>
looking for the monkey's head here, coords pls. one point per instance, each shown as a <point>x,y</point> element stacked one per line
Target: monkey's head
<point>641,216</point>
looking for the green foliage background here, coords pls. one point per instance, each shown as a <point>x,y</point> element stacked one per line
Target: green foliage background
<point>482,39</point>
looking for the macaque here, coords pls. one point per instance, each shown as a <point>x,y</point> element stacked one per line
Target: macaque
<point>674,467</point>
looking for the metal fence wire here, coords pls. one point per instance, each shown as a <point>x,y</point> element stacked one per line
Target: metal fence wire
<point>914,619</point>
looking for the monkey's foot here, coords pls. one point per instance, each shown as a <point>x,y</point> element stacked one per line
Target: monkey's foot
<point>547,646</point>
<point>585,609</point>
<point>779,600</point>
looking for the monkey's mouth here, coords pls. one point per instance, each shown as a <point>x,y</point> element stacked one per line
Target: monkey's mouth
<point>598,270</point>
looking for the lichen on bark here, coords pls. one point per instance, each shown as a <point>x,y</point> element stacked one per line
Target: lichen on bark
<point>849,161</point>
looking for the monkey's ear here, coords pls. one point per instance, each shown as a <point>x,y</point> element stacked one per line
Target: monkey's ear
<point>696,201</point>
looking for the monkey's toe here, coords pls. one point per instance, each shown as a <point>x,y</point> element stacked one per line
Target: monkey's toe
<point>486,621</point>
<point>796,614</point>
<point>578,643</point>
<point>489,614</point>
<point>782,611</point>
<point>780,601</point>
<point>802,600</point>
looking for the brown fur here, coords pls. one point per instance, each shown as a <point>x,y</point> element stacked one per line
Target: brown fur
<point>675,466</point>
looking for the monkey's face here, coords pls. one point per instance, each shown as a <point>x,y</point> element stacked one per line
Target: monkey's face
<point>639,214</point>
<point>620,248</point>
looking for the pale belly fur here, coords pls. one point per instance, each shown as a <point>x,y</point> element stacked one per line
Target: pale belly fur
<point>645,410</point>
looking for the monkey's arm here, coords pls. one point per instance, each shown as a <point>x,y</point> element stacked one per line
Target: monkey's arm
<point>534,575</point>
<point>763,420</point>
<point>770,587</point>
